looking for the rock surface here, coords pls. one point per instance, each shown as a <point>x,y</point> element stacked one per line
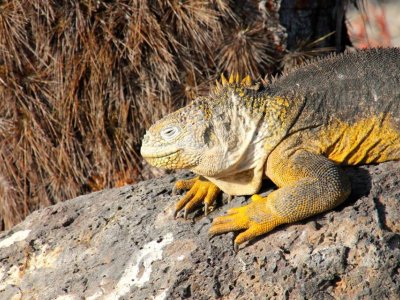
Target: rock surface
<point>124,244</point>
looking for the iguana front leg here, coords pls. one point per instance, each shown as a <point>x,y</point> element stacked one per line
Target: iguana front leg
<point>308,184</point>
<point>200,191</point>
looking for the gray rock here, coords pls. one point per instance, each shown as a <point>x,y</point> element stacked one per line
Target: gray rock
<point>124,244</point>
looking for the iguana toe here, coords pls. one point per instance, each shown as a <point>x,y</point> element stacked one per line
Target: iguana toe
<point>200,191</point>
<point>255,219</point>
<point>185,184</point>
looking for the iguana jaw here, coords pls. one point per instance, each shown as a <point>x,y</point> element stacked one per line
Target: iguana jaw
<point>168,159</point>
<point>154,153</point>
<point>167,162</point>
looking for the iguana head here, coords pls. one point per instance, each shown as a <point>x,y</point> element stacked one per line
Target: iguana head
<point>179,140</point>
<point>215,135</point>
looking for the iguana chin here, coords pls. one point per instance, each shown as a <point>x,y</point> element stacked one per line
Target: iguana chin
<point>344,109</point>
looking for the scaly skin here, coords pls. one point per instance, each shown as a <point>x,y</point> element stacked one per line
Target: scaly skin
<point>200,191</point>
<point>296,131</point>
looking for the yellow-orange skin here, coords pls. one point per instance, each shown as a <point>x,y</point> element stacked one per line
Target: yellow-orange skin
<point>370,140</point>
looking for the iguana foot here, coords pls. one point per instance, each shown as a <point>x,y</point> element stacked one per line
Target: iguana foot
<point>200,191</point>
<point>255,218</point>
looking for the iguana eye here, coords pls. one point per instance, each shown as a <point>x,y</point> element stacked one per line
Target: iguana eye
<point>169,132</point>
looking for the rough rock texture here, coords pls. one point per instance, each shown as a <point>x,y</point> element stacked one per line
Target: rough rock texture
<point>124,244</point>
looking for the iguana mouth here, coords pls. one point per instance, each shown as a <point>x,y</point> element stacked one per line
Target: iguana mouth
<point>149,154</point>
<point>162,155</point>
<point>165,160</point>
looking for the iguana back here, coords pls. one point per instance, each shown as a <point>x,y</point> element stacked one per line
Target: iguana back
<point>349,105</point>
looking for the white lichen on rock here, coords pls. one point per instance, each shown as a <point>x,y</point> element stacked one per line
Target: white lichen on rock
<point>138,270</point>
<point>15,237</point>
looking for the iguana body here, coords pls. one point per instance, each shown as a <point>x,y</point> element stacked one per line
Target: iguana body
<point>296,131</point>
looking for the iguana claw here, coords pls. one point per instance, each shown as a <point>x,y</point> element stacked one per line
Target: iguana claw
<point>253,219</point>
<point>200,191</point>
<point>173,192</point>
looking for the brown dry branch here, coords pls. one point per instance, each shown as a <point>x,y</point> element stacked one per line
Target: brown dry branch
<point>305,51</point>
<point>247,50</point>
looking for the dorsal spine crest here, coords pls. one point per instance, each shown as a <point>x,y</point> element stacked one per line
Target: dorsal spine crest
<point>234,82</point>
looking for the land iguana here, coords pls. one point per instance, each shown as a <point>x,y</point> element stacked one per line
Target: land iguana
<point>296,130</point>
